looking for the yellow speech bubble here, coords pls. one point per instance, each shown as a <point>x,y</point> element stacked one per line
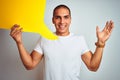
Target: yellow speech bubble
<point>29,14</point>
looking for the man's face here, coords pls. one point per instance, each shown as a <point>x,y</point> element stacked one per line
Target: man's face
<point>62,20</point>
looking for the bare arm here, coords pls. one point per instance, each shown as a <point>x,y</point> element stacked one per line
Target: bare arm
<point>91,60</point>
<point>29,60</point>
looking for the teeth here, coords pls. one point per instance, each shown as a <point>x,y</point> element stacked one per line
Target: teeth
<point>62,27</point>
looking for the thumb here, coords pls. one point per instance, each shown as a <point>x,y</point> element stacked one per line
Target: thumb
<point>97,29</point>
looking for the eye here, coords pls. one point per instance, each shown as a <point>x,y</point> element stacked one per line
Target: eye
<point>66,17</point>
<point>57,17</point>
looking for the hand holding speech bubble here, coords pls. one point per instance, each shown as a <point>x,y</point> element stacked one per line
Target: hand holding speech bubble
<point>29,14</point>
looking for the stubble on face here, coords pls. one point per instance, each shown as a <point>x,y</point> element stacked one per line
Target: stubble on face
<point>62,20</point>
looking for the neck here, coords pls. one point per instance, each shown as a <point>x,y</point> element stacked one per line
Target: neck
<point>62,34</point>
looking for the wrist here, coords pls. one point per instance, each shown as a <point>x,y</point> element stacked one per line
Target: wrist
<point>100,44</point>
<point>18,43</point>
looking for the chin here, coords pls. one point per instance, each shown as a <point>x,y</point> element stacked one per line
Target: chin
<point>61,31</point>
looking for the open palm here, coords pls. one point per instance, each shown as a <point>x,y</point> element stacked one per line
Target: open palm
<point>104,35</point>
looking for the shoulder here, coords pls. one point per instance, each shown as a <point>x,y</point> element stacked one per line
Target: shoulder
<point>77,36</point>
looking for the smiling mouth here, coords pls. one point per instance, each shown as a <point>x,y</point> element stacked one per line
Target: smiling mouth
<point>61,27</point>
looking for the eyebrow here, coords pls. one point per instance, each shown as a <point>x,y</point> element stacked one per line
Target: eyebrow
<point>67,15</point>
<point>59,16</point>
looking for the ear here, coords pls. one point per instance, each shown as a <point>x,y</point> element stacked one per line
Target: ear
<point>52,20</point>
<point>70,19</point>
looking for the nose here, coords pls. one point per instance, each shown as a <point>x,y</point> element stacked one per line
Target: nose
<point>62,20</point>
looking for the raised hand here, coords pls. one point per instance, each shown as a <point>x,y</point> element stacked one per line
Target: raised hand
<point>104,35</point>
<point>16,33</point>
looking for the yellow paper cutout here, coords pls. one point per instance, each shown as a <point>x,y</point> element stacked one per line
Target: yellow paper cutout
<point>29,14</point>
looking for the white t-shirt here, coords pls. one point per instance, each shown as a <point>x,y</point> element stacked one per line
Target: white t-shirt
<point>62,57</point>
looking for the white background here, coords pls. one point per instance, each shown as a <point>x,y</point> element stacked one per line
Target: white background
<point>86,15</point>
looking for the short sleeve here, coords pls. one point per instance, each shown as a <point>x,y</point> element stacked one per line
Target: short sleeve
<point>84,46</point>
<point>38,46</point>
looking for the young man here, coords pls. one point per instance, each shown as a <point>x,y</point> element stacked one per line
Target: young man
<point>63,57</point>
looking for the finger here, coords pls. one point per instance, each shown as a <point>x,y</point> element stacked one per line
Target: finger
<point>13,31</point>
<point>97,29</point>
<point>109,25</point>
<point>106,25</point>
<point>17,32</point>
<point>14,28</point>
<point>112,26</point>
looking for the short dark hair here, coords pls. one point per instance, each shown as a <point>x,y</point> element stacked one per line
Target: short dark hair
<point>61,6</point>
